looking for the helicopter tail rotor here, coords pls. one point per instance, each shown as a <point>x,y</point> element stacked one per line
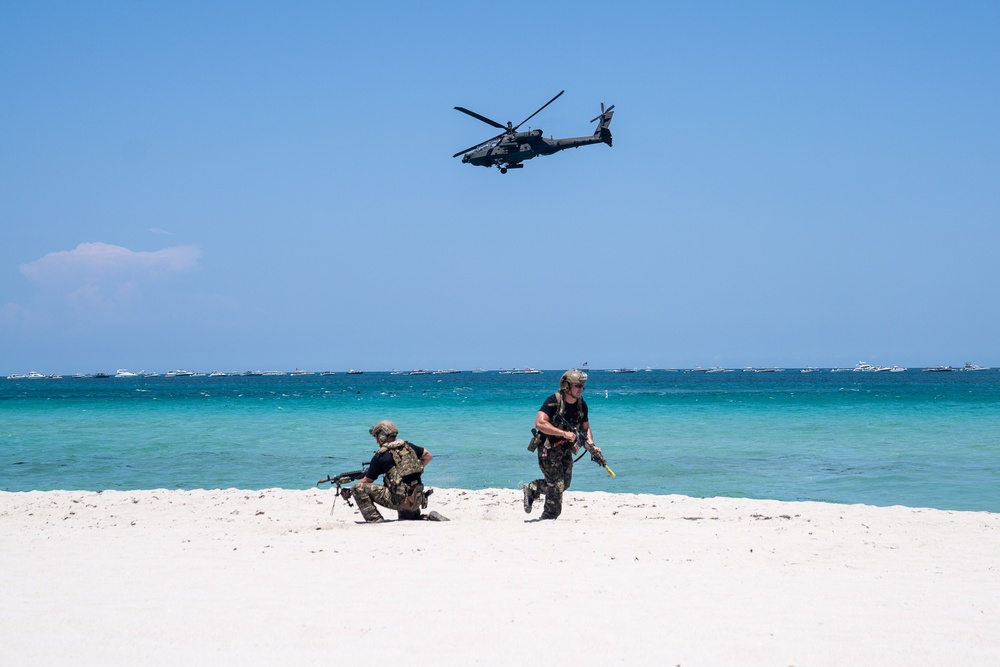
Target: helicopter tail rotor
<point>603,111</point>
<point>602,130</point>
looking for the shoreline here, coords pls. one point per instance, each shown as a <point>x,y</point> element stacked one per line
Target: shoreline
<point>269,577</point>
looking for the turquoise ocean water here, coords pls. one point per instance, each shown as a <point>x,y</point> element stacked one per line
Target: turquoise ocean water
<point>913,438</point>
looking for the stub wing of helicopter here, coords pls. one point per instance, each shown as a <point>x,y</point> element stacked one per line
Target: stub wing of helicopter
<point>510,148</point>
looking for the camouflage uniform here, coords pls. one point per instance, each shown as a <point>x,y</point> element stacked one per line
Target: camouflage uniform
<point>403,491</point>
<point>557,466</point>
<point>369,494</point>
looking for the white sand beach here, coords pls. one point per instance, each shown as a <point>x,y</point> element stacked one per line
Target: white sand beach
<point>234,577</point>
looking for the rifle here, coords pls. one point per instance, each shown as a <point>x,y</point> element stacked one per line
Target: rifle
<point>581,438</point>
<point>340,480</point>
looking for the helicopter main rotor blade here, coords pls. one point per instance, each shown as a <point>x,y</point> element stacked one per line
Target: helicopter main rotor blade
<point>480,144</point>
<point>482,118</point>
<point>539,109</point>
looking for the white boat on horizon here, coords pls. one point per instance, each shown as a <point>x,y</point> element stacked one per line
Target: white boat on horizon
<point>938,369</point>
<point>969,366</point>
<point>864,367</point>
<point>123,373</point>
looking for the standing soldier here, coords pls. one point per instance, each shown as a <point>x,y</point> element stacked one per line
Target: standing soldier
<point>402,463</point>
<point>560,412</point>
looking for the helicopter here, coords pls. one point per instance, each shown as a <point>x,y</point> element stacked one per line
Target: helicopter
<point>510,148</point>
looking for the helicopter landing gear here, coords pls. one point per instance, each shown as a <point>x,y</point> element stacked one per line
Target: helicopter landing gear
<point>504,167</point>
<point>503,170</point>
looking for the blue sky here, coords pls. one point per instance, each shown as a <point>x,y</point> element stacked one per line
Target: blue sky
<point>250,185</point>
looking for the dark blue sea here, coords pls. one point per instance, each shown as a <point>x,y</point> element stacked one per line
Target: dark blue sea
<point>921,439</point>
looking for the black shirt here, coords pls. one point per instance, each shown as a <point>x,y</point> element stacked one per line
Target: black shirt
<point>383,463</point>
<point>575,413</point>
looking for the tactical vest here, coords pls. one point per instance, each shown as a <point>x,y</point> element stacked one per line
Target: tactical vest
<point>406,463</point>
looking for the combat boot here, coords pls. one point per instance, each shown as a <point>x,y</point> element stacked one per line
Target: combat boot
<point>530,496</point>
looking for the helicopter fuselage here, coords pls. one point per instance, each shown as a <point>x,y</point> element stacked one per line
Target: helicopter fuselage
<point>513,149</point>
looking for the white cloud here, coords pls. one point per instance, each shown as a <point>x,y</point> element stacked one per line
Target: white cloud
<point>97,263</point>
<point>99,282</point>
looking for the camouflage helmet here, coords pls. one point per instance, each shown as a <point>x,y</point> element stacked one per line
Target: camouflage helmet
<point>575,376</point>
<point>384,427</point>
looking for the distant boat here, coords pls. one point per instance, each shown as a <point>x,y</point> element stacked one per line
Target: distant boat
<point>446,371</point>
<point>969,366</point>
<point>622,370</point>
<point>808,369</point>
<point>896,369</point>
<point>526,371</point>
<point>217,374</point>
<point>327,373</point>
<point>938,369</point>
<point>100,375</point>
<point>354,371</point>
<point>719,369</point>
<point>122,373</point>
<point>299,371</point>
<point>863,367</point>
<point>419,371</point>
<point>696,369</point>
<point>479,370</point>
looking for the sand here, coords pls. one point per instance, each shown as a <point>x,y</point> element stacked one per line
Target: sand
<point>235,577</point>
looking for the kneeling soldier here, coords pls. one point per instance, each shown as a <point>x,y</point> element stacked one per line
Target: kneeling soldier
<point>402,463</point>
